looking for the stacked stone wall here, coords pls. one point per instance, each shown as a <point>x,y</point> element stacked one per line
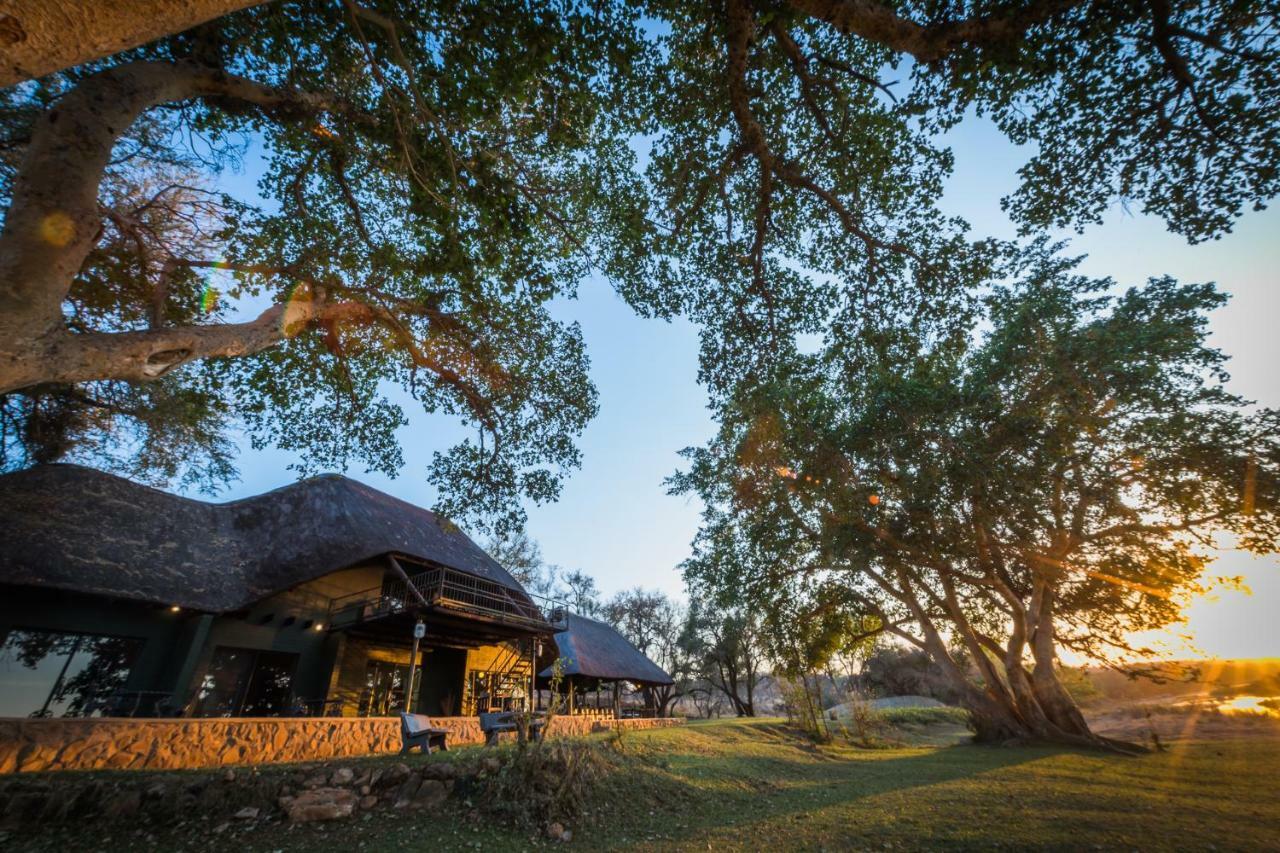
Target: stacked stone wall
<point>170,744</point>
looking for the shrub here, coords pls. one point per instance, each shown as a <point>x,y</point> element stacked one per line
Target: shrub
<point>546,781</point>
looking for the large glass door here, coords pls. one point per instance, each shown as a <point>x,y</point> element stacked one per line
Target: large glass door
<point>59,674</point>
<point>247,683</point>
<point>384,691</point>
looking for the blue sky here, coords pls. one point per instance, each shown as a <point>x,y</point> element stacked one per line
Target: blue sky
<point>615,520</point>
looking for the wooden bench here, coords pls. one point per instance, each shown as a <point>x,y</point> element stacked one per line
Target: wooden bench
<point>416,731</point>
<point>505,721</point>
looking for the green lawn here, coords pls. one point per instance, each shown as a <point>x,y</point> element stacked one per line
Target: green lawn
<point>733,785</point>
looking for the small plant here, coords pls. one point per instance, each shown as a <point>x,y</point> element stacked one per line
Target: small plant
<point>802,699</point>
<point>866,724</point>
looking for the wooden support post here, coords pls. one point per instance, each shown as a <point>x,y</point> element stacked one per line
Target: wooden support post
<point>411,695</point>
<point>408,582</point>
<point>533,674</point>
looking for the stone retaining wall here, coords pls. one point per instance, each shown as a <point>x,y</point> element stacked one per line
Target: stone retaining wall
<point>172,744</point>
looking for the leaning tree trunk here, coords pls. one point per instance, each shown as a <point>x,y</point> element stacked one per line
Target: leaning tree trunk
<point>1052,696</point>
<point>1011,706</point>
<point>39,37</point>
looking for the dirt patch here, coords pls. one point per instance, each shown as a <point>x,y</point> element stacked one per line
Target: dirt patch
<point>1138,721</point>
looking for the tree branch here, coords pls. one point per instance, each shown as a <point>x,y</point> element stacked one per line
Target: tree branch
<point>54,218</point>
<point>879,23</point>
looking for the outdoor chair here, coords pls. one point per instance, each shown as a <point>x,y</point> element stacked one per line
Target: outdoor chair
<point>416,731</point>
<point>505,721</point>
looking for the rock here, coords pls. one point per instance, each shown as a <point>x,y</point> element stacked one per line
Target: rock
<point>566,836</point>
<point>24,806</point>
<point>220,828</point>
<point>440,770</point>
<point>431,794</point>
<point>315,780</point>
<point>394,775</point>
<point>368,802</point>
<point>319,804</point>
<point>342,776</point>
<point>406,792</point>
<point>374,777</point>
<point>125,804</point>
<point>229,776</point>
<point>247,813</point>
<point>555,830</point>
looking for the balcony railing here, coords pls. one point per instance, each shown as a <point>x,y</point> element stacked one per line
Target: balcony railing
<point>449,589</point>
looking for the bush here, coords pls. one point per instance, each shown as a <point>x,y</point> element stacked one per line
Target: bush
<point>543,782</point>
<point>896,671</point>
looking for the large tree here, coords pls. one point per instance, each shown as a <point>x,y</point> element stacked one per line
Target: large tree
<point>437,172</point>
<point>1046,471</point>
<point>39,37</point>
<point>727,645</point>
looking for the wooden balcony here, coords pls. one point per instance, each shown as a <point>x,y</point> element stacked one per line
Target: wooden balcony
<point>458,609</point>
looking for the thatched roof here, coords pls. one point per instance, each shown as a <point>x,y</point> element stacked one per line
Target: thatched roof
<point>594,650</point>
<point>73,528</point>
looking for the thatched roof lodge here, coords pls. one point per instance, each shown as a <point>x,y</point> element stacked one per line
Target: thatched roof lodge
<point>591,651</point>
<point>119,599</point>
<point>77,529</point>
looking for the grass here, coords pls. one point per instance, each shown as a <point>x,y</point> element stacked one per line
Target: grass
<point>752,785</point>
<point>923,716</point>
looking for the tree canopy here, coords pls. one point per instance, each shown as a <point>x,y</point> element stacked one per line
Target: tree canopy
<point>1045,471</point>
<point>438,173</point>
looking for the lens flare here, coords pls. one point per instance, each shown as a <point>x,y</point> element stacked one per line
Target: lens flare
<point>57,229</point>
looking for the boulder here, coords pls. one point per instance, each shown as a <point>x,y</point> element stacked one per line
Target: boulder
<point>319,804</point>
<point>124,804</point>
<point>406,792</point>
<point>342,776</point>
<point>394,775</point>
<point>439,770</point>
<point>432,793</point>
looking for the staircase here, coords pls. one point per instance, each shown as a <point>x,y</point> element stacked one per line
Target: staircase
<point>502,687</point>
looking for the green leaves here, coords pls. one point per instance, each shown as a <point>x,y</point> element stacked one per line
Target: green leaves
<point>1078,437</point>
<point>451,168</point>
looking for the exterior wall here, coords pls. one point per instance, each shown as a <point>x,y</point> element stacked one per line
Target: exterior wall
<point>167,636</point>
<point>304,608</point>
<point>347,680</point>
<point>171,744</point>
<point>179,646</point>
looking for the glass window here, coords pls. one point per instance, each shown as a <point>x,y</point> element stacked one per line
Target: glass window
<point>61,674</point>
<point>247,683</point>
<point>383,694</point>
